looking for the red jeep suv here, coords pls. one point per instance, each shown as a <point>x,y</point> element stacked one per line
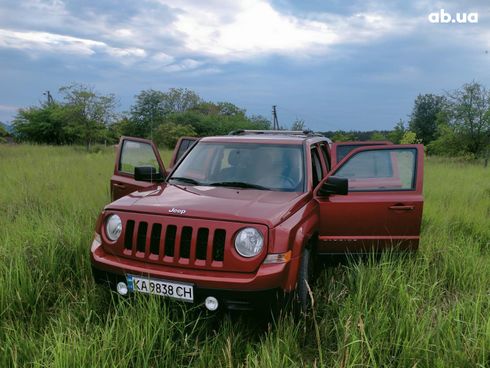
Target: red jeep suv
<point>240,218</point>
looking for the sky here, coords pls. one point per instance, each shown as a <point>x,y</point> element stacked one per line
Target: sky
<point>351,65</point>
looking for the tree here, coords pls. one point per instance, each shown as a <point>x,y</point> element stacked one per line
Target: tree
<point>147,110</point>
<point>260,122</point>
<point>3,134</point>
<point>342,136</point>
<point>124,126</point>
<point>409,137</point>
<point>229,109</point>
<point>45,124</point>
<point>298,124</point>
<point>167,134</point>
<point>180,100</point>
<point>152,107</point>
<point>397,133</point>
<point>469,113</point>
<point>377,136</point>
<point>423,117</point>
<point>206,108</point>
<point>447,142</point>
<point>3,131</point>
<point>87,112</point>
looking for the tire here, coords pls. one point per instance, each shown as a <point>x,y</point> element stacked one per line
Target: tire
<point>305,278</point>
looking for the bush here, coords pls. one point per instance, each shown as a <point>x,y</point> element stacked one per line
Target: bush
<point>409,137</point>
<point>167,134</point>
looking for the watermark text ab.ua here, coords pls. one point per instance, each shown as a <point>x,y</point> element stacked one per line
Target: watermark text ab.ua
<point>444,17</point>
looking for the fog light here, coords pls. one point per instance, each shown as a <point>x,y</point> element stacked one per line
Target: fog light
<point>211,303</point>
<point>122,288</point>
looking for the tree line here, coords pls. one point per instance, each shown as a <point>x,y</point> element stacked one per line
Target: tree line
<point>84,116</point>
<point>454,124</point>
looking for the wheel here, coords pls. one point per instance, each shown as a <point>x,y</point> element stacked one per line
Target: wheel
<point>305,279</point>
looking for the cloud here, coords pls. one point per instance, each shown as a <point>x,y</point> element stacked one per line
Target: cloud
<point>163,58</point>
<point>56,43</point>
<point>186,64</point>
<point>8,108</point>
<point>163,32</point>
<point>183,35</point>
<point>253,27</point>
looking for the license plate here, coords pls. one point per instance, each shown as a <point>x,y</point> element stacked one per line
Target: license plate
<point>165,288</point>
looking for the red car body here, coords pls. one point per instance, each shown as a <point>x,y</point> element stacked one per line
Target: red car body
<point>186,233</point>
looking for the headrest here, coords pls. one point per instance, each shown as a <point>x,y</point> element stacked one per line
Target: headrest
<point>234,157</point>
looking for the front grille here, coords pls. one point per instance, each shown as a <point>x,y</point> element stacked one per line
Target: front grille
<point>184,242</point>
<point>174,244</point>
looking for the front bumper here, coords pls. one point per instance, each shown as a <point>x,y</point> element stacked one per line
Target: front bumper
<point>234,288</point>
<point>228,299</point>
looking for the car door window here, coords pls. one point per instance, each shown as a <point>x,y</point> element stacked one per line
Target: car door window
<point>185,144</point>
<point>134,154</point>
<point>324,151</point>
<point>316,169</point>
<point>380,170</point>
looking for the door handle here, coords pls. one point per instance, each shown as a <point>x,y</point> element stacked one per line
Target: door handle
<point>120,186</point>
<point>401,208</point>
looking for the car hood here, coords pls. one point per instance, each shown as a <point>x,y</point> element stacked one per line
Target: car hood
<point>232,204</point>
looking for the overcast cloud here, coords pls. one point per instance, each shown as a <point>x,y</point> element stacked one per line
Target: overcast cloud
<point>335,64</point>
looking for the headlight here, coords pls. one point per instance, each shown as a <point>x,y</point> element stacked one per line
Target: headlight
<point>113,227</point>
<point>249,242</point>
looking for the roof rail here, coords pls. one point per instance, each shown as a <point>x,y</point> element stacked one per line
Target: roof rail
<point>308,133</point>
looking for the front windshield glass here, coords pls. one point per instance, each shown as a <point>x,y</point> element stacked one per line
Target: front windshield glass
<point>243,165</point>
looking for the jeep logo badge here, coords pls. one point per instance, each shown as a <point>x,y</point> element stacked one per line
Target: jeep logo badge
<point>177,210</point>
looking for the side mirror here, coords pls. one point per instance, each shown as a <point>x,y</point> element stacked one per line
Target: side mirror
<point>334,185</point>
<point>147,173</point>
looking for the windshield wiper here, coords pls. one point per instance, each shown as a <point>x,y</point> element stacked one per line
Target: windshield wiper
<point>238,184</point>
<point>185,180</point>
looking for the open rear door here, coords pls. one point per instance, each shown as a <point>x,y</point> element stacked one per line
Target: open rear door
<point>132,153</point>
<point>183,144</point>
<point>383,208</point>
<point>341,149</point>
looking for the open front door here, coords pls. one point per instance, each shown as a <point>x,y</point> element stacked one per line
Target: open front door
<point>383,208</point>
<point>134,153</point>
<point>183,144</point>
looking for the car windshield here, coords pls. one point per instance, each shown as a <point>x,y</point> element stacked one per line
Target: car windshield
<point>243,165</point>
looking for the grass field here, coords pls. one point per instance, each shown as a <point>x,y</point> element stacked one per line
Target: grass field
<point>429,310</point>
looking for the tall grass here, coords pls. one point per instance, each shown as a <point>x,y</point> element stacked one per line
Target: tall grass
<point>431,309</point>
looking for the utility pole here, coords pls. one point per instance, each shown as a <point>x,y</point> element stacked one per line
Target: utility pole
<point>275,122</point>
<point>50,98</point>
